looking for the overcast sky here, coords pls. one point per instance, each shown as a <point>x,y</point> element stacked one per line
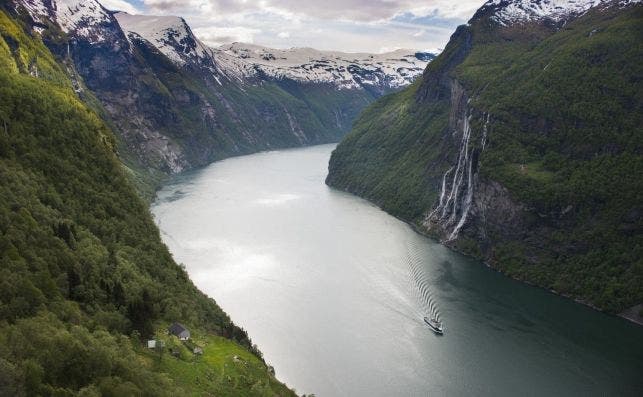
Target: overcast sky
<point>345,25</point>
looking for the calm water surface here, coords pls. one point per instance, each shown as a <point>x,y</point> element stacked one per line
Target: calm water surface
<point>333,290</point>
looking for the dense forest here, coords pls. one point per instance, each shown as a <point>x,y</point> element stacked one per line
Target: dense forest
<point>563,109</point>
<point>85,279</point>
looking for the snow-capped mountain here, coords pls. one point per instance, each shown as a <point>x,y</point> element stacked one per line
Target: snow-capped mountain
<point>508,12</point>
<point>170,35</point>
<point>345,70</point>
<point>248,63</point>
<point>81,18</point>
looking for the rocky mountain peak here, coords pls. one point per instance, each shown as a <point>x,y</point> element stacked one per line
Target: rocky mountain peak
<point>82,18</point>
<point>170,35</point>
<point>509,12</point>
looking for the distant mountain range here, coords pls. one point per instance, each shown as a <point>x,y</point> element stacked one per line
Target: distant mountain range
<point>178,104</point>
<point>521,145</point>
<point>250,63</point>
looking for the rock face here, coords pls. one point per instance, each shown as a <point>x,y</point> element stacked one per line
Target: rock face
<point>110,67</point>
<point>507,150</point>
<point>178,104</point>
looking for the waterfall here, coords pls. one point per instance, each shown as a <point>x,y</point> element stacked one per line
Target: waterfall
<point>444,184</point>
<point>485,130</point>
<point>442,193</point>
<point>457,177</point>
<point>463,159</point>
<point>455,200</point>
<point>466,204</point>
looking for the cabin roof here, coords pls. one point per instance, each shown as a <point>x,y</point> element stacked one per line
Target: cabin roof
<point>177,328</point>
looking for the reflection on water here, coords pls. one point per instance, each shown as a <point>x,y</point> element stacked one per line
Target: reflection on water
<point>334,292</point>
<point>177,194</point>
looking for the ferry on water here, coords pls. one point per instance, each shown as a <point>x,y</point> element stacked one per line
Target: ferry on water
<point>434,324</point>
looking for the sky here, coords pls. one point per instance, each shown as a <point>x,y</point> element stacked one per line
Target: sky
<point>341,25</point>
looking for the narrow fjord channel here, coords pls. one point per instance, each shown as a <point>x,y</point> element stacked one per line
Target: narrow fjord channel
<point>333,290</point>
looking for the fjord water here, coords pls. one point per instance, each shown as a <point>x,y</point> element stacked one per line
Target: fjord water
<point>333,290</point>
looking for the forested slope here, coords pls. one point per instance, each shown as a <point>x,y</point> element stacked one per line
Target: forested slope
<point>521,145</point>
<point>84,276</point>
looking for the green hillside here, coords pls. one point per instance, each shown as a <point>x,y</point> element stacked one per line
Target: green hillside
<point>565,111</point>
<point>85,277</point>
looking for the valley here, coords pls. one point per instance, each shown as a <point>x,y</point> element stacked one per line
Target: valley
<point>263,198</point>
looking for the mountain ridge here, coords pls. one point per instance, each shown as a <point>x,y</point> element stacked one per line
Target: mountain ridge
<point>249,62</point>
<point>386,71</point>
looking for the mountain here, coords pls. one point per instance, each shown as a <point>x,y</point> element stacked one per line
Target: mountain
<point>171,36</point>
<point>251,63</point>
<point>376,73</point>
<point>84,277</point>
<point>521,145</point>
<point>511,12</point>
<point>177,104</point>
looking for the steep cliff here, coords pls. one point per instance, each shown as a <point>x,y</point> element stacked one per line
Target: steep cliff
<point>521,145</point>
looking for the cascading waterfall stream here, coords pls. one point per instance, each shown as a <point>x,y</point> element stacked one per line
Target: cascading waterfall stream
<point>485,129</point>
<point>442,193</point>
<point>460,193</point>
<point>467,203</point>
<point>463,160</point>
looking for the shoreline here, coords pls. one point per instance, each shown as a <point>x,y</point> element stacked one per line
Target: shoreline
<point>633,314</point>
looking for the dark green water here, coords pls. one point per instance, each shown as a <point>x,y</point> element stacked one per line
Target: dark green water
<point>334,290</point>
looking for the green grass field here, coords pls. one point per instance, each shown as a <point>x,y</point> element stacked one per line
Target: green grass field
<point>224,368</point>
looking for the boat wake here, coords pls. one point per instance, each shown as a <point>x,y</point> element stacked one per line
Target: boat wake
<point>420,283</point>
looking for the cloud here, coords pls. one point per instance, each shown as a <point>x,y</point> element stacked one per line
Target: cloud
<point>351,10</point>
<point>345,25</point>
<point>215,36</point>
<point>120,5</point>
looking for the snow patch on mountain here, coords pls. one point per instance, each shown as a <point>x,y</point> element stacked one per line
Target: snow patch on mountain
<point>507,12</point>
<point>170,35</point>
<point>80,17</point>
<point>347,71</point>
